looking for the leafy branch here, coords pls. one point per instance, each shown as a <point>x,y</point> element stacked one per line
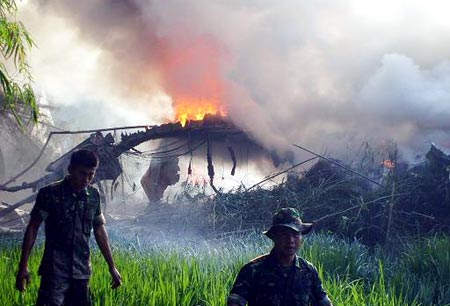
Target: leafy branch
<point>15,42</point>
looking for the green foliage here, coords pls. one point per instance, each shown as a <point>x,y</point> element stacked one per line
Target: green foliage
<point>15,41</point>
<point>425,267</point>
<point>351,259</point>
<point>201,273</point>
<point>414,201</point>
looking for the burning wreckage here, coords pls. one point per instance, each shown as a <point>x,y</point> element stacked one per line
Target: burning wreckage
<point>185,138</point>
<point>421,193</point>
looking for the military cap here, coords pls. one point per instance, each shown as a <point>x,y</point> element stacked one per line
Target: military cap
<point>288,217</point>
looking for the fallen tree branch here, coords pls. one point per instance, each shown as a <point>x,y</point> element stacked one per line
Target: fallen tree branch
<point>339,165</point>
<point>281,172</point>
<point>2,186</point>
<point>11,208</point>
<point>359,205</point>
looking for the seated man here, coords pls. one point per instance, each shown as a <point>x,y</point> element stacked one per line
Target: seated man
<point>280,278</point>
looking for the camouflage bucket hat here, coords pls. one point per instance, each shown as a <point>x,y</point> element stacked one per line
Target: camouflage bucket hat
<point>288,217</point>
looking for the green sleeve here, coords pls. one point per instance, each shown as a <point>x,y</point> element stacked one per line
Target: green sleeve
<point>240,293</point>
<point>319,296</point>
<point>41,206</point>
<point>99,218</point>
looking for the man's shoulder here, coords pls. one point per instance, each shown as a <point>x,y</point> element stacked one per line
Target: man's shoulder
<point>260,259</point>
<point>257,262</point>
<point>92,190</point>
<point>307,265</point>
<point>254,265</point>
<point>52,187</point>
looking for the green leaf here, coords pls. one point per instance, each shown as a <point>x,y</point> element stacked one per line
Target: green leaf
<point>15,42</point>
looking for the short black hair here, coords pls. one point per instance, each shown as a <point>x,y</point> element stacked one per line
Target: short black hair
<point>84,158</point>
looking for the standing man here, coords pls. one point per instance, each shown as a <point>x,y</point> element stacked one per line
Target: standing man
<point>70,209</point>
<point>280,278</point>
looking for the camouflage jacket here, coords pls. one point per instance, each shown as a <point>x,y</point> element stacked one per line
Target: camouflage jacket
<point>264,282</point>
<point>69,218</point>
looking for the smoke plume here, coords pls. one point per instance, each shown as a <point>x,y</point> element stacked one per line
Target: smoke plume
<point>312,72</point>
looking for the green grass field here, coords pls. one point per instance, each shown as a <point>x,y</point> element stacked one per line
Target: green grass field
<point>201,273</point>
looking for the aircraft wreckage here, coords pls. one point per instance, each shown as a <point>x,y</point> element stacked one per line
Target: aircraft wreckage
<point>163,170</point>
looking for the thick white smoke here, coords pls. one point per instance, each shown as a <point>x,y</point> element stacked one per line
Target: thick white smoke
<point>312,72</point>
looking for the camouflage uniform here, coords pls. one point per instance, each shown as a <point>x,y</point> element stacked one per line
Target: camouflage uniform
<point>264,282</point>
<point>69,218</point>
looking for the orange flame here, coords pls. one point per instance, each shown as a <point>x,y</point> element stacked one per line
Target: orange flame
<point>193,109</point>
<point>388,164</point>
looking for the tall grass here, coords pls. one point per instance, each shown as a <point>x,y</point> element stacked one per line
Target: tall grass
<point>194,273</point>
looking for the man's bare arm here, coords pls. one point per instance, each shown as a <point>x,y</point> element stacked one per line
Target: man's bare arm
<point>101,236</point>
<point>27,246</point>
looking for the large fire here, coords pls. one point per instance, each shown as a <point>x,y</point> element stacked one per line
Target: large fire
<point>192,73</point>
<point>193,109</point>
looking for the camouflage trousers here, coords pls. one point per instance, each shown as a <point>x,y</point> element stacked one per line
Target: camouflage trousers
<point>57,291</point>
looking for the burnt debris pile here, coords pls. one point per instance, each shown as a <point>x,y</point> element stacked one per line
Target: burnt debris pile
<point>415,201</point>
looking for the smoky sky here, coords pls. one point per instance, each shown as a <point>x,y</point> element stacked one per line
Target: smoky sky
<point>311,72</point>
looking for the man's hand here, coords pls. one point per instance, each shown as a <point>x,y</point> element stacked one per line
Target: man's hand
<point>103,243</point>
<point>23,276</point>
<point>116,278</point>
<point>22,279</point>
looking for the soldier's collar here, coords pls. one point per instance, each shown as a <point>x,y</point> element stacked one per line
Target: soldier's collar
<point>297,263</point>
<point>69,188</point>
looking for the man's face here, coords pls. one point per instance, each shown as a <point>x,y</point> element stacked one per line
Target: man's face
<point>287,241</point>
<point>81,176</point>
